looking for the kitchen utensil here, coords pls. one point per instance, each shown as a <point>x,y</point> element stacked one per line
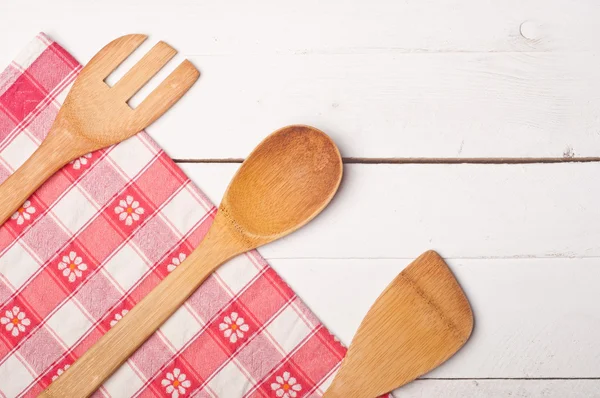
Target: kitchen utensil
<point>420,320</point>
<point>285,182</point>
<point>94,115</point>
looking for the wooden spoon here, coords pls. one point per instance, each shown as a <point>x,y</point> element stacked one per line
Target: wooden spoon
<point>95,116</point>
<point>285,182</point>
<point>420,320</point>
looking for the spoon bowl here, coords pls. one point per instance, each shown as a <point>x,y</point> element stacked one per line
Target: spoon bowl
<point>267,202</point>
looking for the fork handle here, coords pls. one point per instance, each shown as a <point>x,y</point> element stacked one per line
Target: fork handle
<point>59,148</point>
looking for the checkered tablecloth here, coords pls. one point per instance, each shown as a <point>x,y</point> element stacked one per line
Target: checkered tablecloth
<point>74,260</point>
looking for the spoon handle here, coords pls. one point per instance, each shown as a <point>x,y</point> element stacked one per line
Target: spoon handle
<point>88,373</point>
<point>55,151</point>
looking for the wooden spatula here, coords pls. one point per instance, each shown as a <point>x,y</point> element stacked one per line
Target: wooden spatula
<point>285,182</point>
<point>420,320</point>
<point>94,115</point>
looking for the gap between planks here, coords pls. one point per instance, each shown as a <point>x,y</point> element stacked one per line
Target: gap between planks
<point>352,160</point>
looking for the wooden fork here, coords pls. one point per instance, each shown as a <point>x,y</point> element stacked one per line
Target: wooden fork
<point>95,116</point>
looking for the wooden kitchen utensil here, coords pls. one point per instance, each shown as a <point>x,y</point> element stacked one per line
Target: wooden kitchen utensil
<point>95,116</point>
<point>285,182</point>
<point>420,320</point>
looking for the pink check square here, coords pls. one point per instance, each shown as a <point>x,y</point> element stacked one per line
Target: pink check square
<point>22,97</point>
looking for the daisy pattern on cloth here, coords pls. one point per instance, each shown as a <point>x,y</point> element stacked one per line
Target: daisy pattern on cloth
<point>233,327</point>
<point>118,317</point>
<point>60,371</point>
<point>15,321</point>
<point>72,266</point>
<point>286,386</point>
<point>175,383</point>
<point>81,161</point>
<point>24,213</point>
<point>129,210</point>
<point>175,262</point>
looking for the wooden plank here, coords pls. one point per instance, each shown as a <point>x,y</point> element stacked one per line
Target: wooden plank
<point>463,211</point>
<point>534,318</point>
<point>387,105</point>
<point>500,388</point>
<point>271,26</point>
<point>386,79</point>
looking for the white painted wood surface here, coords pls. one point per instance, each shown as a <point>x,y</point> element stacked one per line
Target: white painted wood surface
<point>415,79</point>
<point>431,78</point>
<point>535,318</point>
<point>501,388</point>
<point>521,239</point>
<point>464,211</point>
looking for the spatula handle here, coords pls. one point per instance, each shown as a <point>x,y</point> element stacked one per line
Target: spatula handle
<point>88,373</point>
<point>56,151</point>
<point>329,393</point>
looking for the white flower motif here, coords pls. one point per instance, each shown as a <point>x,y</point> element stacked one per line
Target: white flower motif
<point>175,383</point>
<point>233,327</point>
<point>129,210</point>
<point>24,213</point>
<point>60,371</point>
<point>286,386</point>
<point>72,266</point>
<point>81,161</point>
<point>15,321</point>
<point>175,262</point>
<point>118,317</point>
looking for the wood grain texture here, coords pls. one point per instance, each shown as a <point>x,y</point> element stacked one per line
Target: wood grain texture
<point>468,211</point>
<point>95,116</point>
<point>420,320</point>
<point>387,79</point>
<point>285,182</point>
<point>534,318</point>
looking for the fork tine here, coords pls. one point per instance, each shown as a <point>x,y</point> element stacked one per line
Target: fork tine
<point>143,71</point>
<point>111,55</point>
<point>166,94</point>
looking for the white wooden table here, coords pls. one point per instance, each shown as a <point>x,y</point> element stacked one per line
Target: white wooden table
<point>471,127</point>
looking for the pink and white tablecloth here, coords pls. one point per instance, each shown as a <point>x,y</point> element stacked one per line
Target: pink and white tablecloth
<point>73,262</point>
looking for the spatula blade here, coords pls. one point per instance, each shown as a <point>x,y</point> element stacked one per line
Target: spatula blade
<point>420,320</point>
